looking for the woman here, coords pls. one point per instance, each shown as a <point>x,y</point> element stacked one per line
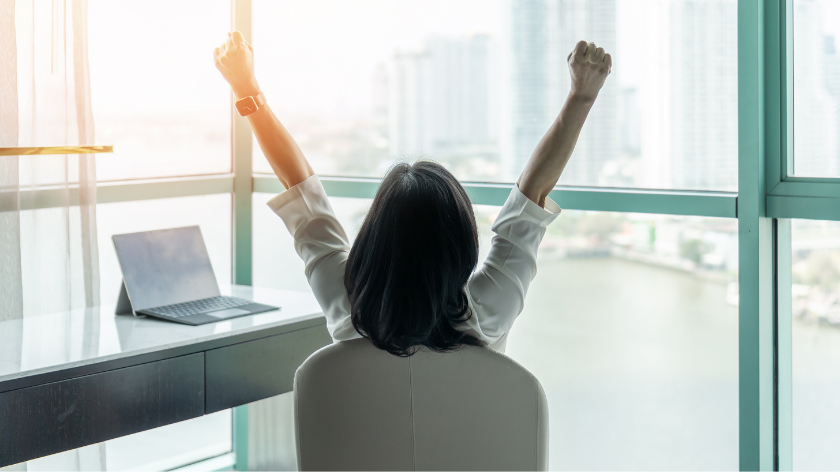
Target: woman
<point>408,279</point>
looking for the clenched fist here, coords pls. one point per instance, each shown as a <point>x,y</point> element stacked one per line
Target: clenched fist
<point>589,66</point>
<point>235,60</point>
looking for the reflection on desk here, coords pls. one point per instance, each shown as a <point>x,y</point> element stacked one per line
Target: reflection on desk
<point>61,341</point>
<point>68,380</point>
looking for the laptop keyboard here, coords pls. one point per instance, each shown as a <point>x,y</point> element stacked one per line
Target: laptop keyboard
<point>204,305</point>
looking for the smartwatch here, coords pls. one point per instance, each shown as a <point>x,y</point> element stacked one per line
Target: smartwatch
<point>247,105</point>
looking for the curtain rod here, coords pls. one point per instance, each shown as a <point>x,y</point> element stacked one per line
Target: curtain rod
<point>35,151</point>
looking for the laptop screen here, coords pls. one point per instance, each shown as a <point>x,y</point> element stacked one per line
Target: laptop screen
<point>165,267</point>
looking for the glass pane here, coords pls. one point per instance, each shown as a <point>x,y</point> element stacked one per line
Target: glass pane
<point>475,84</point>
<point>172,446</point>
<point>631,326</point>
<point>816,88</point>
<point>163,448</point>
<point>183,443</point>
<point>157,96</point>
<point>816,344</point>
<point>210,212</point>
<point>197,439</point>
<point>276,264</point>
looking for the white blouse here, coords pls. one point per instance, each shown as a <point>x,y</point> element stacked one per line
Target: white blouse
<point>496,291</point>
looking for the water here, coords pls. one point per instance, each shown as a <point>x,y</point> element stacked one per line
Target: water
<point>639,363</point>
<point>816,396</point>
<point>640,366</point>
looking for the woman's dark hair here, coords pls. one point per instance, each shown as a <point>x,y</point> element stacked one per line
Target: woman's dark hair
<point>408,268</point>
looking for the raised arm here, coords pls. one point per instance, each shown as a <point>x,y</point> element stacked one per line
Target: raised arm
<point>235,60</point>
<point>589,66</point>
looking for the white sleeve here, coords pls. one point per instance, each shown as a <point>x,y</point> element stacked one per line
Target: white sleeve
<point>322,244</point>
<point>497,289</point>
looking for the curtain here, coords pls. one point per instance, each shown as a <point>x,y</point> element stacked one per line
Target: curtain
<point>48,248</point>
<point>271,434</point>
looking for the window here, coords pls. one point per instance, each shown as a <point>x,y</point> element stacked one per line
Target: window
<point>642,364</point>
<point>172,446</point>
<point>209,212</point>
<point>815,333</point>
<point>277,265</point>
<point>475,85</point>
<point>193,440</point>
<point>631,326</point>
<point>673,374</point>
<point>816,89</point>
<point>156,94</point>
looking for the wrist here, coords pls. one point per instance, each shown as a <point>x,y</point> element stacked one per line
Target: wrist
<point>582,98</point>
<point>248,90</point>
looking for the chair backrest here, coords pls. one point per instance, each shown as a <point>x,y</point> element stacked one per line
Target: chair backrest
<point>361,408</point>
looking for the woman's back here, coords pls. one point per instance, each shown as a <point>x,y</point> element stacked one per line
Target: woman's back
<point>404,304</point>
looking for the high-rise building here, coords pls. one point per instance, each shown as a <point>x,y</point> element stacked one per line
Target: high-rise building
<point>679,121</point>
<point>816,147</point>
<point>409,113</point>
<point>832,66</point>
<point>703,100</point>
<point>529,69</point>
<point>629,125</point>
<point>464,83</point>
<point>831,72</point>
<point>689,95</point>
<point>542,34</point>
<point>379,99</point>
<point>443,101</point>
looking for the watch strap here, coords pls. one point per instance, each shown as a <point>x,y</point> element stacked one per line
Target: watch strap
<point>259,99</point>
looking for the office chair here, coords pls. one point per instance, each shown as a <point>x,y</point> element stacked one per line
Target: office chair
<point>361,408</point>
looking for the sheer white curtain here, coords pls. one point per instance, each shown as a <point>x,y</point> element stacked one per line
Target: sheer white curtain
<point>48,248</point>
<point>271,434</point>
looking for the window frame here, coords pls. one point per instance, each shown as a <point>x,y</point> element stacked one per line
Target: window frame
<point>767,198</point>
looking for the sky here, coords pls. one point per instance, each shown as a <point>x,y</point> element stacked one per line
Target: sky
<point>314,56</point>
<point>318,56</point>
<point>135,50</point>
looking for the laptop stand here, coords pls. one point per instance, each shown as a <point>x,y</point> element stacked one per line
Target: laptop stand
<point>124,303</point>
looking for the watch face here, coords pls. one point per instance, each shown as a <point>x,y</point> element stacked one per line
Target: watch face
<point>246,106</point>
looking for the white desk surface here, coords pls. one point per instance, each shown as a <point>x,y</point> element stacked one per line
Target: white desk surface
<point>60,341</point>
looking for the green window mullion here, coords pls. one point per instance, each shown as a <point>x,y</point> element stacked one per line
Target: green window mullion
<point>242,215</point>
<point>810,208</point>
<point>778,83</point>
<point>240,436</point>
<point>787,197</point>
<point>710,204</point>
<point>755,327</point>
<point>241,142</point>
<point>808,187</point>
<point>721,205</point>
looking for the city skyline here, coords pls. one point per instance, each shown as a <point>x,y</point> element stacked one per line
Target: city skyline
<point>664,120</point>
<point>685,136</point>
<point>540,34</point>
<point>816,94</point>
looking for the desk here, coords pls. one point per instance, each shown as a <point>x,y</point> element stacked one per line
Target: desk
<point>77,378</point>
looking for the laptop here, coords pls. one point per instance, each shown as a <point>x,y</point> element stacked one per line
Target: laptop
<point>167,275</point>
